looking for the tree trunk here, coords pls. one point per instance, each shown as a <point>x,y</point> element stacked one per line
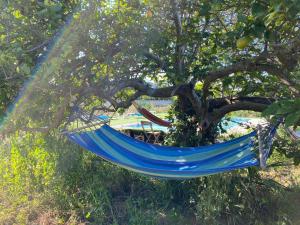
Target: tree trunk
<point>188,131</point>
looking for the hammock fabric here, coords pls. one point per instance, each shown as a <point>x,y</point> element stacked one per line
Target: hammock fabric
<point>152,117</point>
<point>164,161</point>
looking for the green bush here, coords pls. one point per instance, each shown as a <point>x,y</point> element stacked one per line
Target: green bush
<point>26,173</point>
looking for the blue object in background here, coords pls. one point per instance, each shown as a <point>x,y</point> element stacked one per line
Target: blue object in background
<point>135,114</point>
<point>226,124</point>
<point>233,122</point>
<point>103,117</point>
<point>138,126</point>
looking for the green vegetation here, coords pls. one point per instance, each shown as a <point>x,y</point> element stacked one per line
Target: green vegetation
<point>215,59</point>
<point>48,179</point>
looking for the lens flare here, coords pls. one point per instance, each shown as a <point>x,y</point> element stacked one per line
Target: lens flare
<point>56,47</point>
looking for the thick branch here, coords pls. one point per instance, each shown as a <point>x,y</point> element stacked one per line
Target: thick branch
<point>224,106</point>
<point>218,108</point>
<point>142,88</point>
<point>195,100</point>
<point>146,89</point>
<point>218,103</point>
<point>226,71</point>
<point>248,66</point>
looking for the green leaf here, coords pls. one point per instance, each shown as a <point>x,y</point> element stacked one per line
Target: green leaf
<point>17,14</point>
<point>25,69</point>
<point>204,10</point>
<point>258,10</point>
<point>88,215</point>
<point>269,35</point>
<point>292,119</point>
<point>258,28</point>
<point>56,8</point>
<point>198,86</point>
<point>43,12</point>
<point>242,18</point>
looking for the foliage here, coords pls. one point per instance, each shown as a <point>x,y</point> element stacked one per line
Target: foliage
<point>115,52</point>
<point>284,145</point>
<point>243,200</point>
<point>186,131</point>
<point>26,31</point>
<point>26,173</point>
<point>288,109</point>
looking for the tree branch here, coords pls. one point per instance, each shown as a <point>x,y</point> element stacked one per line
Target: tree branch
<point>180,47</point>
<point>160,63</point>
<point>45,43</point>
<point>240,105</point>
<point>220,107</point>
<point>248,66</point>
<point>141,88</point>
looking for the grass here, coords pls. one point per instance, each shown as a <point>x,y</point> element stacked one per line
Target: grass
<point>245,113</point>
<point>288,177</point>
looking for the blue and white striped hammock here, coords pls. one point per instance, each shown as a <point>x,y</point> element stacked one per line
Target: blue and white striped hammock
<point>169,162</point>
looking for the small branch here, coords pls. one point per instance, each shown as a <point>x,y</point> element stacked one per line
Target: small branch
<point>177,17</point>
<point>39,46</point>
<point>221,22</point>
<point>180,47</point>
<point>160,63</point>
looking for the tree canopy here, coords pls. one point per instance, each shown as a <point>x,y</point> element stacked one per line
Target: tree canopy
<point>216,57</point>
